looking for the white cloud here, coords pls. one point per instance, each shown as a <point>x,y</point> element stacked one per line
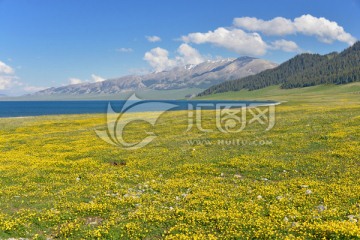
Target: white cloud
<point>7,77</point>
<point>153,38</point>
<point>11,84</point>
<point>97,78</point>
<point>158,58</point>
<point>6,81</point>
<point>125,50</point>
<point>277,26</point>
<point>75,81</point>
<point>235,40</point>
<point>94,78</point>
<point>5,69</point>
<point>323,29</point>
<point>33,88</point>
<point>284,45</point>
<point>189,55</point>
<point>326,31</point>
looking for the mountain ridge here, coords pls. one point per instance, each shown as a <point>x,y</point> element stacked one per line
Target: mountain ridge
<point>201,76</point>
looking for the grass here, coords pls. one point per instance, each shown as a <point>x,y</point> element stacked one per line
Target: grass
<point>300,180</point>
<point>317,94</point>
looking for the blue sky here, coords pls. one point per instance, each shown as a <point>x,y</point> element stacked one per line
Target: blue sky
<point>47,43</point>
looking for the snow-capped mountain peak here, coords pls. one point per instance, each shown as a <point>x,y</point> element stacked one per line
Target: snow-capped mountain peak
<point>201,76</point>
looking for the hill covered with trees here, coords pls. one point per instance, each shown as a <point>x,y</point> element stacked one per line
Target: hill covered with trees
<point>301,71</point>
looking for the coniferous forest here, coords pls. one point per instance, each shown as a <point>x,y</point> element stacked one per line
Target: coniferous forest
<point>303,70</point>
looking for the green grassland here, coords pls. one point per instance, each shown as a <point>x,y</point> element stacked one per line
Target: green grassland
<point>300,180</point>
<point>317,94</point>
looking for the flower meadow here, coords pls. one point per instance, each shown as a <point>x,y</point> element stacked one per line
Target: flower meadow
<point>59,180</point>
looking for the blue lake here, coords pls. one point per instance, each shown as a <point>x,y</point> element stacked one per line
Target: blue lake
<point>39,108</point>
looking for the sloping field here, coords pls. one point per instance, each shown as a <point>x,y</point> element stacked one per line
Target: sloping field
<point>298,180</point>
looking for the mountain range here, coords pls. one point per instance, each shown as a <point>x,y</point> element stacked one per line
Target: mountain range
<point>199,76</point>
<point>301,71</point>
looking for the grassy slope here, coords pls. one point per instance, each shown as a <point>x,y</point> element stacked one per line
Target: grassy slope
<point>173,189</point>
<point>316,94</point>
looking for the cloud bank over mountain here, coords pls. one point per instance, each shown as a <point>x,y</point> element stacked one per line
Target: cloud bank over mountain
<point>246,37</point>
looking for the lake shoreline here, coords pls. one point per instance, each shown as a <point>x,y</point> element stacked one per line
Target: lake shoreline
<point>16,109</point>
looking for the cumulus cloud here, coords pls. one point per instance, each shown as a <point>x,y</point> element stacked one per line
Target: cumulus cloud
<point>235,40</point>
<point>125,50</point>
<point>5,69</point>
<point>11,84</point>
<point>284,45</point>
<point>323,29</point>
<point>276,26</point>
<point>33,88</point>
<point>97,78</point>
<point>7,77</point>
<point>153,38</point>
<point>189,55</point>
<point>94,78</point>
<point>6,81</point>
<point>158,58</point>
<point>75,81</point>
